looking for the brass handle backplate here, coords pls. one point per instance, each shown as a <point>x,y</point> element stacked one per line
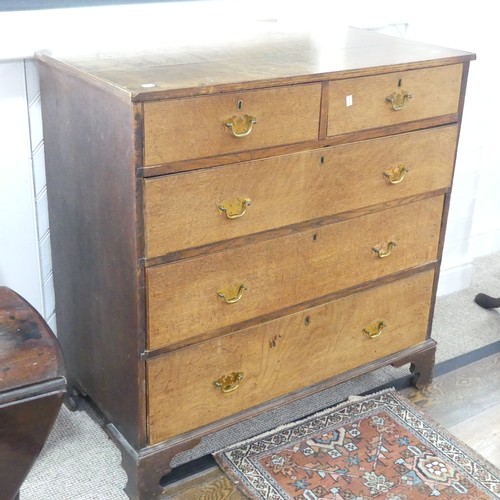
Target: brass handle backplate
<point>241,126</point>
<point>374,331</point>
<point>234,209</point>
<point>398,100</point>
<point>231,295</point>
<point>397,174</point>
<point>229,383</point>
<point>384,253</point>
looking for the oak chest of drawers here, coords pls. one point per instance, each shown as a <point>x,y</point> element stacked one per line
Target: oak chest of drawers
<point>220,213</point>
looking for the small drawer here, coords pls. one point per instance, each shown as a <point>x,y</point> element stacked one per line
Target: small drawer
<point>326,340</point>
<point>203,294</point>
<point>198,208</point>
<point>378,101</point>
<point>199,127</point>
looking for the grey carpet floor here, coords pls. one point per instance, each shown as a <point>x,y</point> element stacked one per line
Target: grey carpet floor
<point>80,462</point>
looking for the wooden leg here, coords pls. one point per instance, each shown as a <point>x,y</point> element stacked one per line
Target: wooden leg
<point>422,368</point>
<point>73,398</point>
<point>143,477</point>
<point>146,468</point>
<point>421,364</point>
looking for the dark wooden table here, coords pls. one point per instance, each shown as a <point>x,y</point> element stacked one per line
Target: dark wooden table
<point>32,385</point>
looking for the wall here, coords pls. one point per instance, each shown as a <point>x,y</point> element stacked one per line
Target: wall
<point>25,262</point>
<point>474,222</point>
<point>24,234</point>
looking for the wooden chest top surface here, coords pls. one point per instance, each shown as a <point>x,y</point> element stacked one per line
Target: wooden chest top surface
<point>268,55</point>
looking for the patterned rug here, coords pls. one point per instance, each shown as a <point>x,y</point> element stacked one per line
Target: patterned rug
<point>377,446</point>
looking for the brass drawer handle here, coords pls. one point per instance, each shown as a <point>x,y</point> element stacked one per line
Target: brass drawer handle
<point>398,100</point>
<point>384,253</point>
<point>234,209</point>
<point>374,331</point>
<point>225,294</point>
<point>229,383</point>
<point>396,175</point>
<point>241,126</point>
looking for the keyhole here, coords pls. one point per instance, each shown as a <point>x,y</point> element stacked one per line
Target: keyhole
<point>240,105</point>
<point>400,82</point>
<point>307,320</point>
<point>315,236</point>
<point>322,160</point>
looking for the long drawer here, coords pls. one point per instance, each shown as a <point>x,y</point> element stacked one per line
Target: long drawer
<point>382,100</point>
<point>194,386</point>
<point>181,129</point>
<point>198,208</point>
<point>192,296</point>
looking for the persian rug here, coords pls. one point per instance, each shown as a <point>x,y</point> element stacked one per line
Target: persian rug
<point>378,446</point>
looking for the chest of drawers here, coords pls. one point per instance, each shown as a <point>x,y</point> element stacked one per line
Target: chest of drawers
<point>224,215</point>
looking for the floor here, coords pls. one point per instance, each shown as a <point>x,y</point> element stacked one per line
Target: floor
<point>463,398</point>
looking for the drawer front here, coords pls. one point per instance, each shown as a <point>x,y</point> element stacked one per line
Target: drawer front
<point>181,210</point>
<point>193,296</point>
<point>324,341</point>
<point>362,103</point>
<point>182,129</point>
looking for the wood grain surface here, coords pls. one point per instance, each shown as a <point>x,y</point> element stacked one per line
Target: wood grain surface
<point>180,129</point>
<point>182,296</point>
<point>262,56</point>
<point>322,342</point>
<point>435,92</point>
<point>181,210</point>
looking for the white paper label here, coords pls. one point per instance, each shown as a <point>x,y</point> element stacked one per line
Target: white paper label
<point>348,100</point>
